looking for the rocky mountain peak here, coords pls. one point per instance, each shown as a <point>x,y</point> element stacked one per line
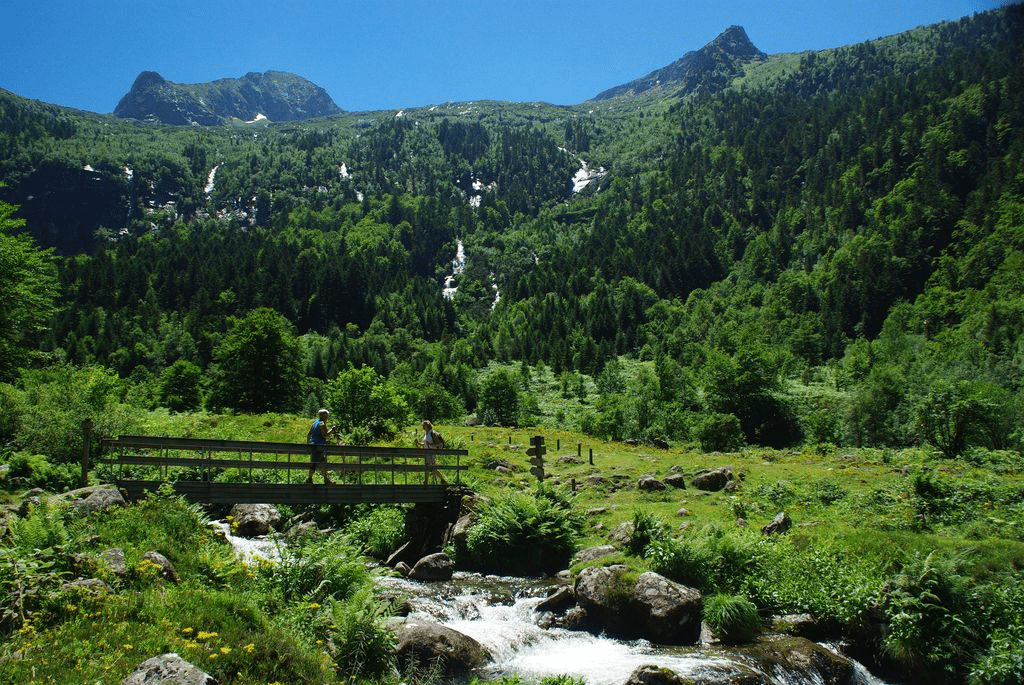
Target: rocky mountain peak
<point>276,95</point>
<point>706,70</point>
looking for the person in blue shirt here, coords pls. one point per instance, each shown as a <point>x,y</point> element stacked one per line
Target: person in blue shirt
<point>317,439</point>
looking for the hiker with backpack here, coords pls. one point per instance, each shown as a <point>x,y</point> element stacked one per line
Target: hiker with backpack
<point>432,440</point>
<point>317,438</point>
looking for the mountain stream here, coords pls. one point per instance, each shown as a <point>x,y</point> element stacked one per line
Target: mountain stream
<point>499,613</point>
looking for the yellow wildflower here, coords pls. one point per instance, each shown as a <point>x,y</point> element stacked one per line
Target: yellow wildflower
<point>225,650</point>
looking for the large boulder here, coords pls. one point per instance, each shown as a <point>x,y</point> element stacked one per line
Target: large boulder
<point>254,520</point>
<point>712,480</point>
<point>651,607</point>
<point>168,669</point>
<point>649,483</point>
<point>670,612</point>
<point>816,663</point>
<point>433,567</point>
<point>422,645</point>
<point>93,498</point>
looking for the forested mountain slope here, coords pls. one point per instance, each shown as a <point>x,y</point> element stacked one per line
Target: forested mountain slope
<point>851,217</point>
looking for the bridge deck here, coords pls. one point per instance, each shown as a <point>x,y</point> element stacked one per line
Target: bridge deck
<point>264,471</point>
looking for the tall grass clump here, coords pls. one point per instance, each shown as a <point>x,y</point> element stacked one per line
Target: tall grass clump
<point>647,529</point>
<point>733,618</point>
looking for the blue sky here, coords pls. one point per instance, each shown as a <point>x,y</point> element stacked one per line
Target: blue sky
<point>389,54</point>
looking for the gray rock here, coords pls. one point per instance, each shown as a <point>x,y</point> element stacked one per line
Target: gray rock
<point>653,608</point>
<point>558,602</point>
<point>166,568</point>
<point>591,553</point>
<point>780,524</point>
<point>806,625</point>
<point>114,559</point>
<point>461,528</point>
<point>93,498</point>
<point>814,662</point>
<point>655,675</point>
<point>433,567</point>
<point>504,465</point>
<point>93,586</point>
<point>670,612</point>
<point>649,483</point>
<point>713,480</point>
<point>168,669</point>
<point>676,480</point>
<point>253,520</point>
<point>422,645</point>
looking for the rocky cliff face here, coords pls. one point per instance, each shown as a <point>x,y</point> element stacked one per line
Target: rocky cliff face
<point>276,95</point>
<point>709,69</point>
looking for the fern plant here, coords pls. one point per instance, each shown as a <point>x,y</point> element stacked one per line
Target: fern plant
<point>520,533</point>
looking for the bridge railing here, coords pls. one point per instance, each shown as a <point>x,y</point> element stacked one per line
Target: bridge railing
<point>279,469</point>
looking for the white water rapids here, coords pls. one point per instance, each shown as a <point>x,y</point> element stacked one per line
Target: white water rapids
<point>499,613</point>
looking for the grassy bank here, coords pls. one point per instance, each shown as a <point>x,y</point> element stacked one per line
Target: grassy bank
<point>912,557</point>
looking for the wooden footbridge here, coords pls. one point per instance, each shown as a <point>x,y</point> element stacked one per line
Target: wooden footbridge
<point>240,471</point>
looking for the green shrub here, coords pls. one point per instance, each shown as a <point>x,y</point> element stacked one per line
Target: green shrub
<point>790,575</point>
<point>732,617</point>
<point>378,532</point>
<point>359,641</point>
<point>710,559</point>
<point>33,565</point>
<point>928,617</point>
<point>10,411</point>
<point>522,533</point>
<point>1003,663</point>
<point>646,529</point>
<point>315,570</point>
<point>719,433</point>
<point>36,471</point>
<point>41,528</point>
<point>56,401</point>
